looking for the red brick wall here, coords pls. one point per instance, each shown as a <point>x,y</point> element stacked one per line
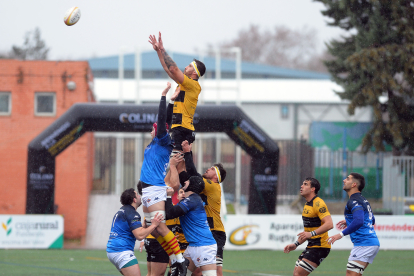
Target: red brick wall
<point>74,166</point>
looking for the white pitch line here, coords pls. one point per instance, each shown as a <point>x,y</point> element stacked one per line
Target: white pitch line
<point>266,274</point>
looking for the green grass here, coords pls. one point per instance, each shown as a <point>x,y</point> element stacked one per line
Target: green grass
<point>244,263</point>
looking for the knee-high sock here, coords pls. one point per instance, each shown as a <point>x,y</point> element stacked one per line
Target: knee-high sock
<point>173,243</point>
<point>167,248</point>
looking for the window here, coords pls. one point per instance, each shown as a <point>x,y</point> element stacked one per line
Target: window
<point>285,111</point>
<point>5,103</point>
<point>45,104</point>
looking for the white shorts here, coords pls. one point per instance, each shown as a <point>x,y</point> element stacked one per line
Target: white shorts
<point>153,194</point>
<point>119,259</point>
<point>364,254</point>
<point>201,255</point>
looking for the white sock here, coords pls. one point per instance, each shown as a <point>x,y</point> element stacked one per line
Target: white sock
<point>173,259</point>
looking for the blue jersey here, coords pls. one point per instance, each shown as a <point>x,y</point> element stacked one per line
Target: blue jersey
<point>121,237</point>
<point>194,223</point>
<point>365,235</point>
<point>156,159</point>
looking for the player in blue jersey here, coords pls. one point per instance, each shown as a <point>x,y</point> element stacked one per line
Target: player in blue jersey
<point>358,223</point>
<point>152,183</point>
<point>125,230</point>
<point>202,247</point>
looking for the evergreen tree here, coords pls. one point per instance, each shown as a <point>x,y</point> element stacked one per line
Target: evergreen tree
<point>374,61</point>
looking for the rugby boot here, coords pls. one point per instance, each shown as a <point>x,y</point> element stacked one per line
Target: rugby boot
<point>182,267</point>
<point>174,269</point>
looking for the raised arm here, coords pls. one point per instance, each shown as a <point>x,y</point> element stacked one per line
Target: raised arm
<point>167,63</point>
<point>188,157</point>
<point>162,113</point>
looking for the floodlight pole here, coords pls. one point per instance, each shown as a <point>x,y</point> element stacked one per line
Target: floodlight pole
<point>139,140</point>
<point>238,52</point>
<point>119,139</point>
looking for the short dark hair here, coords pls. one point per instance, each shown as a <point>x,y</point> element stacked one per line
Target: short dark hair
<point>127,197</point>
<point>201,67</point>
<point>223,172</point>
<point>360,179</point>
<point>314,183</point>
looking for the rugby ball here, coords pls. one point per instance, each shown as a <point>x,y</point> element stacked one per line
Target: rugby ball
<point>72,16</point>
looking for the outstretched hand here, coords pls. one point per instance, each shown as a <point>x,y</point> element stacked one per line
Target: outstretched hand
<point>165,92</point>
<point>154,42</point>
<point>157,45</point>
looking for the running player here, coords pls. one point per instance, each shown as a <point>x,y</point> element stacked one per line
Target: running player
<point>202,249</point>
<point>211,196</point>
<point>125,230</point>
<point>152,183</point>
<point>186,103</point>
<point>358,223</point>
<point>317,222</point>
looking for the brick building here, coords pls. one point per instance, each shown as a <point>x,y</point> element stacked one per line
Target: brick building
<point>33,94</point>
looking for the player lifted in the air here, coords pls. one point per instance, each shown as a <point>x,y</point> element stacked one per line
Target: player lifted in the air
<point>153,172</point>
<point>359,223</point>
<point>317,222</point>
<point>189,89</point>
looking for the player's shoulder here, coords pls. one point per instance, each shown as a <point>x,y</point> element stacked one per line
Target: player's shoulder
<point>320,205</point>
<point>130,211</point>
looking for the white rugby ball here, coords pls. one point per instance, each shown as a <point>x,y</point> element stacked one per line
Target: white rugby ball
<point>72,16</point>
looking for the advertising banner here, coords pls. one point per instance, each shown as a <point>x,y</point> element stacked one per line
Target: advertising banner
<point>274,232</point>
<point>31,231</point>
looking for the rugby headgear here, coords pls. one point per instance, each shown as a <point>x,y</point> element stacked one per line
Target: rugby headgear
<point>155,127</point>
<point>196,184</point>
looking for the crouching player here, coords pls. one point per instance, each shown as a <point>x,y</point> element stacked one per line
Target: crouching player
<point>125,230</point>
<point>202,248</point>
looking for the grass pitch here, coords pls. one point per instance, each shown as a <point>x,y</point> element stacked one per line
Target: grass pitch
<point>244,263</point>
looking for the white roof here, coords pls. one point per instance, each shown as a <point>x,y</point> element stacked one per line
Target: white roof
<point>251,91</point>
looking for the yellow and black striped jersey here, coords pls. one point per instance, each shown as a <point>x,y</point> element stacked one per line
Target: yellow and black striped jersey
<point>186,103</point>
<point>313,213</point>
<point>211,195</point>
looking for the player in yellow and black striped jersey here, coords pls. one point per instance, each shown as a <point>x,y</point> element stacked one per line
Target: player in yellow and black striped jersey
<point>317,222</point>
<point>189,89</point>
<point>211,196</point>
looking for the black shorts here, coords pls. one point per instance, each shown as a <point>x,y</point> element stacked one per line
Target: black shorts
<point>316,255</point>
<point>220,238</point>
<point>155,252</point>
<point>179,135</point>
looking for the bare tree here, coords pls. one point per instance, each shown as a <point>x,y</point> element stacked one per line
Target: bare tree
<point>280,46</point>
<point>34,48</point>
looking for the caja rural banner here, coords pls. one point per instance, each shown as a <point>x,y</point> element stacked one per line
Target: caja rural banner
<point>274,232</point>
<point>31,231</point>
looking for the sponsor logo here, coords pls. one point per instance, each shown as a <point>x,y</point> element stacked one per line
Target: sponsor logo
<point>354,255</point>
<point>198,259</point>
<point>138,118</point>
<point>322,210</point>
<point>131,255</point>
<point>245,235</point>
<point>6,226</point>
<point>205,259</point>
<point>248,128</point>
<point>148,200</point>
<point>51,139</point>
<point>317,204</point>
<point>156,198</point>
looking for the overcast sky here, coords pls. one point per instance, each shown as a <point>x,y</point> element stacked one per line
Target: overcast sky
<point>106,26</point>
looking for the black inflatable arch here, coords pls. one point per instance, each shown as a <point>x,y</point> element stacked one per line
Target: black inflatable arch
<point>83,117</point>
